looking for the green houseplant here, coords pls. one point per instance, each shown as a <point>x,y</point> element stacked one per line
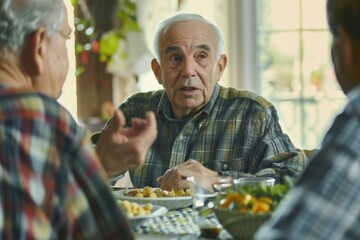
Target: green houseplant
<point>102,26</point>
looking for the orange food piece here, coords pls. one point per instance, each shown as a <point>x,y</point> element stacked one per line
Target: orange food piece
<point>261,207</point>
<point>234,197</point>
<point>265,200</point>
<point>248,203</point>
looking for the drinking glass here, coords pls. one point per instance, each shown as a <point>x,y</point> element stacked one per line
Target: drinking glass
<point>268,181</point>
<point>204,193</point>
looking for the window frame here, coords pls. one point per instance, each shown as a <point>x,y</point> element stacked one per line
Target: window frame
<point>245,73</point>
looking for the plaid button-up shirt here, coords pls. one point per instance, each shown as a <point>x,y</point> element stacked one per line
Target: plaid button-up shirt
<point>237,133</point>
<point>50,184</point>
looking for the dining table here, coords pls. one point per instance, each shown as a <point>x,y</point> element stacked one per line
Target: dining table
<point>175,224</point>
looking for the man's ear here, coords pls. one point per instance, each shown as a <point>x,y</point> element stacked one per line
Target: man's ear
<point>156,68</point>
<point>348,48</point>
<point>33,54</point>
<point>222,65</point>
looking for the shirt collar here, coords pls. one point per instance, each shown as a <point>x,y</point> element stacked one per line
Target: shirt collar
<point>353,104</point>
<point>353,94</point>
<point>165,106</point>
<point>207,109</point>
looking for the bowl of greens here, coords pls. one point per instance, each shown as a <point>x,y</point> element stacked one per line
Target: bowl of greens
<point>241,211</point>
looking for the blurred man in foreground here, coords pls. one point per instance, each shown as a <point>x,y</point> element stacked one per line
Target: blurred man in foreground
<point>325,202</point>
<point>51,183</point>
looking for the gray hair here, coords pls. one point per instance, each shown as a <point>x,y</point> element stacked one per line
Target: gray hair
<point>186,17</point>
<point>20,18</point>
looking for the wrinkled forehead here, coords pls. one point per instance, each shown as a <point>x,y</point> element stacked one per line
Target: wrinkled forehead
<point>188,32</point>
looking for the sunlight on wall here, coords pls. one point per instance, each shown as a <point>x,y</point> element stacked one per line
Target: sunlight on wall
<point>68,98</point>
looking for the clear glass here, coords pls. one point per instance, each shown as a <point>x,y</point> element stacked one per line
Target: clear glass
<point>268,181</point>
<point>204,193</point>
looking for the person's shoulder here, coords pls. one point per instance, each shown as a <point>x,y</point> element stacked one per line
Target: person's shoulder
<point>38,107</point>
<point>353,100</point>
<point>243,95</point>
<point>27,100</point>
<point>139,103</point>
<point>145,98</point>
<point>147,95</point>
<point>49,106</point>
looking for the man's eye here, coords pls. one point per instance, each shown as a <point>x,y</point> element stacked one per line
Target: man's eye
<point>202,56</point>
<point>202,59</point>
<point>175,59</point>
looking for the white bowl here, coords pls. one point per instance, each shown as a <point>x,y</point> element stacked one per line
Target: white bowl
<point>168,202</point>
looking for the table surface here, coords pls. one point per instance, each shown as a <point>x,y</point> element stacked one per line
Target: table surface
<point>175,224</point>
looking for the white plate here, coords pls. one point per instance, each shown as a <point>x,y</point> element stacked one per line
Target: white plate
<point>156,212</point>
<point>168,202</point>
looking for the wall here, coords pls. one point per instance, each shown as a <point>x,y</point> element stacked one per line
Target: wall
<point>68,97</point>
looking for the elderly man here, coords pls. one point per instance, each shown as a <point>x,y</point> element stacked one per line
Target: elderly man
<point>52,185</point>
<point>325,202</point>
<point>204,129</point>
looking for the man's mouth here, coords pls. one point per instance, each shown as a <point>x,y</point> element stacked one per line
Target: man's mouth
<point>188,88</point>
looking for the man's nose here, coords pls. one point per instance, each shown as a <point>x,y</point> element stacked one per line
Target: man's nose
<point>189,68</point>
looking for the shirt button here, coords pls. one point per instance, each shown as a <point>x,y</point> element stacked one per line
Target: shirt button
<point>181,137</point>
<point>225,167</point>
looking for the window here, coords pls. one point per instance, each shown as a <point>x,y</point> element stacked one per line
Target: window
<point>295,68</point>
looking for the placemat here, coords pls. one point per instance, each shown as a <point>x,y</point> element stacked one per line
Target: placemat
<point>182,222</point>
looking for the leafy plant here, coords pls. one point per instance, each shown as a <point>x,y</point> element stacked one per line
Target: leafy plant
<point>103,26</point>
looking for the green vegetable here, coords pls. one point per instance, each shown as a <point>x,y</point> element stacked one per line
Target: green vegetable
<point>276,192</point>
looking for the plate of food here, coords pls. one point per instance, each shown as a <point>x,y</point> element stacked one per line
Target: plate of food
<point>137,213</point>
<point>156,196</point>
